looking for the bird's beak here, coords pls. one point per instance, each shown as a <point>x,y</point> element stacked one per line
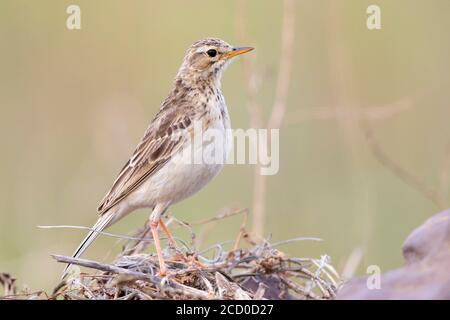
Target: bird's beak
<point>237,51</point>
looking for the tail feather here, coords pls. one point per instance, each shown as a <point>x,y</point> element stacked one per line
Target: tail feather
<point>102,223</point>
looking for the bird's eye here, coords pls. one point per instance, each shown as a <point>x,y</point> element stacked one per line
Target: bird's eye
<point>212,53</point>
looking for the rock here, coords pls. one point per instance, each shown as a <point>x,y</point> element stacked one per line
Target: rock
<point>426,274</point>
<point>426,238</point>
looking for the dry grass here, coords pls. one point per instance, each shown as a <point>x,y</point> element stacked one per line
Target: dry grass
<point>247,271</point>
<point>254,273</point>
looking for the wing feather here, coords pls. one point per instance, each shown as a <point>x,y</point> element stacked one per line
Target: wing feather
<point>162,139</point>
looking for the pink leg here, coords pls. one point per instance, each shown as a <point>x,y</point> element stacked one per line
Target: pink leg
<point>168,233</point>
<point>162,264</point>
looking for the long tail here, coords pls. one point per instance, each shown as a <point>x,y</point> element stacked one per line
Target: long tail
<point>102,223</point>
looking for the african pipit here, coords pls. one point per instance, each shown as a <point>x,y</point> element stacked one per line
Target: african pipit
<point>152,178</point>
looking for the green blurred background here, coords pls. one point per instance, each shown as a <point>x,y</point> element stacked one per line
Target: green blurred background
<point>75,103</point>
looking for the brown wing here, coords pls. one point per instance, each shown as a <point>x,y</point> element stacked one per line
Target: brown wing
<point>162,139</point>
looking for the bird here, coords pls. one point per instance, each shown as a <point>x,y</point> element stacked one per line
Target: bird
<point>154,177</point>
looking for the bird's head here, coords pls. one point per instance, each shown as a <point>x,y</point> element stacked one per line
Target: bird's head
<point>206,59</point>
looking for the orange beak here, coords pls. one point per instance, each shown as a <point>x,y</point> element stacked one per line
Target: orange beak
<point>237,51</point>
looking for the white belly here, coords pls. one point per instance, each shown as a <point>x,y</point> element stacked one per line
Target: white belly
<point>181,178</point>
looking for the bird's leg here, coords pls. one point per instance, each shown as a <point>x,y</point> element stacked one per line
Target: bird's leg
<point>155,219</point>
<point>166,230</point>
<point>162,264</point>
